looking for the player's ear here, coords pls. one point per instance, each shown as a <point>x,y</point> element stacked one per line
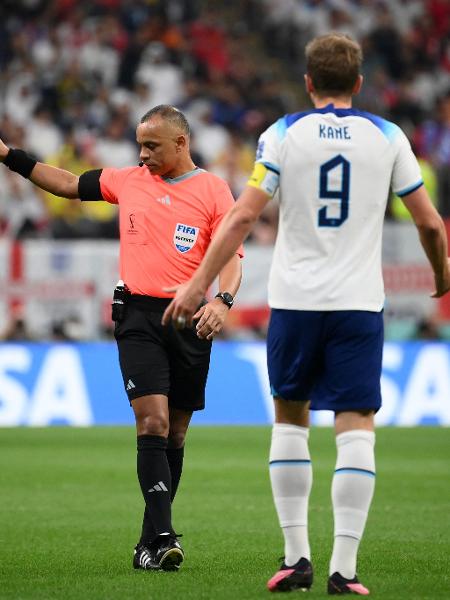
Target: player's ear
<point>358,85</point>
<point>308,84</point>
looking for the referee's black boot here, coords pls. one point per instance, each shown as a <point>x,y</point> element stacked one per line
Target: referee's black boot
<point>169,554</point>
<point>144,558</point>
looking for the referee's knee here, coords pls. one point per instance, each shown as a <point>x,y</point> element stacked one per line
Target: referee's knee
<point>176,439</point>
<point>152,425</point>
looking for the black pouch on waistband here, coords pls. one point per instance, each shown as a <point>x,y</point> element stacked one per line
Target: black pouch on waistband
<point>119,303</point>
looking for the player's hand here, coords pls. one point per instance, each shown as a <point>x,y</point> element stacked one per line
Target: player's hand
<point>187,298</point>
<point>211,318</point>
<point>442,283</point>
<point>3,150</point>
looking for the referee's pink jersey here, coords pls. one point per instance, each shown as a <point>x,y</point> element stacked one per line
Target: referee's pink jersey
<point>166,225</point>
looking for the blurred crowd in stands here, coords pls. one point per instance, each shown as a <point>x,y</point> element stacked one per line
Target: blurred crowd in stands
<point>77,75</point>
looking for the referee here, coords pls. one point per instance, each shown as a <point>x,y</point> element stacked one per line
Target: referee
<point>169,212</point>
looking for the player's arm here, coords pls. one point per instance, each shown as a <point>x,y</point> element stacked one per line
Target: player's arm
<point>432,235</point>
<point>51,179</point>
<point>237,223</point>
<point>230,275</point>
<point>232,231</point>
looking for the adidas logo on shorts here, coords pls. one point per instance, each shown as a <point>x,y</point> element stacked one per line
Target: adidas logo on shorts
<point>130,385</point>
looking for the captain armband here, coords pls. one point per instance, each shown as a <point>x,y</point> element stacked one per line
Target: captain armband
<point>265,179</point>
<point>89,185</point>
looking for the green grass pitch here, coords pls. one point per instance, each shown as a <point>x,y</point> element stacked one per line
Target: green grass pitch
<point>70,511</point>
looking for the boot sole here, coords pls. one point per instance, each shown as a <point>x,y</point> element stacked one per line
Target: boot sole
<point>171,560</point>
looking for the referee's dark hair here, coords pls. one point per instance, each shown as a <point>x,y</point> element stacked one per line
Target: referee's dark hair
<point>169,113</point>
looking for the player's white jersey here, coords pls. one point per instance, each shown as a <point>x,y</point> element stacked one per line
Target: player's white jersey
<point>334,168</point>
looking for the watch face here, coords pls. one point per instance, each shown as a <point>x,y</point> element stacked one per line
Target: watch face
<point>228,298</point>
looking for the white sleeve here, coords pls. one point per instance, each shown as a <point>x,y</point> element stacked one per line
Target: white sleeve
<point>266,172</point>
<point>267,152</point>
<point>406,175</point>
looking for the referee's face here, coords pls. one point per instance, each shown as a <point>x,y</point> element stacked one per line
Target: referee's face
<point>161,146</point>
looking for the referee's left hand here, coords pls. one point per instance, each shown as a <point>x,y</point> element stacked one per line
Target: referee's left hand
<point>211,318</point>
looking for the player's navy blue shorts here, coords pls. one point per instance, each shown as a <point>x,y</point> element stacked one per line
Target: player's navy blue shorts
<point>161,360</point>
<point>332,358</point>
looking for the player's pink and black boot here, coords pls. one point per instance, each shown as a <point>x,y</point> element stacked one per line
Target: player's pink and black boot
<point>339,585</point>
<point>297,577</point>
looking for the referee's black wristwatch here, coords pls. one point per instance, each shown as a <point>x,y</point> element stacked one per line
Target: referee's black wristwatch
<point>226,298</point>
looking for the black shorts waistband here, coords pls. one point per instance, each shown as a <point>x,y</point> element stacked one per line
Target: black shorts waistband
<point>154,303</point>
<point>150,302</point>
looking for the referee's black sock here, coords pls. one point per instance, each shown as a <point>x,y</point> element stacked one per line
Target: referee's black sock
<point>175,459</point>
<point>155,481</point>
<point>148,532</point>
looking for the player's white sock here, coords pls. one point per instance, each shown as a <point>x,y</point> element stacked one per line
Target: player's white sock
<point>291,479</point>
<point>352,491</point>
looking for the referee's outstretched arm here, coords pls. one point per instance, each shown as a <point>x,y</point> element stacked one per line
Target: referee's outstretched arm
<point>51,179</point>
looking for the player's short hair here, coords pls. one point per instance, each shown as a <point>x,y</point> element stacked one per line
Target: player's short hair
<point>171,114</point>
<point>333,61</point>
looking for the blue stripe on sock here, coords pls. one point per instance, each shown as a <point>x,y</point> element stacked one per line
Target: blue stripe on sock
<point>355,471</point>
<point>286,463</point>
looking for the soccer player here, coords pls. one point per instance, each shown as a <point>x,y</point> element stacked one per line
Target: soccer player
<point>169,211</point>
<point>333,166</point>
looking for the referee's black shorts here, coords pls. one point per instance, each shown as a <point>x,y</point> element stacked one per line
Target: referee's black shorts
<point>161,360</point>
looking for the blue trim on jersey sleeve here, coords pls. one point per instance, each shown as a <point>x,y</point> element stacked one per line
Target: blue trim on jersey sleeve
<point>270,166</point>
<point>389,129</point>
<point>410,189</point>
<point>281,127</point>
